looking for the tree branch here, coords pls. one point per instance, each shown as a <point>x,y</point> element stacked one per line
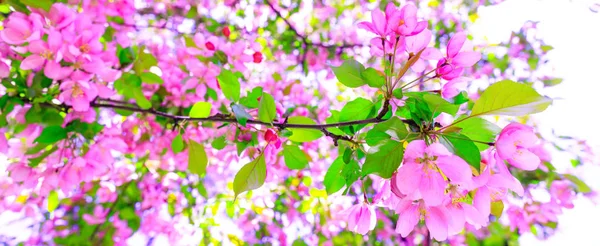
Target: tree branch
<point>304,38</point>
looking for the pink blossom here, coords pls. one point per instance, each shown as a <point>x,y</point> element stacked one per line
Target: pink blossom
<point>86,44</point>
<point>48,54</point>
<point>411,213</point>
<point>416,43</point>
<point>562,193</point>
<point>421,173</point>
<point>78,94</point>
<point>381,24</point>
<point>406,22</point>
<point>20,28</point>
<point>98,217</point>
<point>60,16</point>
<point>494,187</point>
<point>453,87</point>
<point>361,218</point>
<point>515,144</point>
<point>458,57</point>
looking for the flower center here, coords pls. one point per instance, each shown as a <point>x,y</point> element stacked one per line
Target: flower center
<point>77,91</point>
<point>46,54</point>
<point>84,48</point>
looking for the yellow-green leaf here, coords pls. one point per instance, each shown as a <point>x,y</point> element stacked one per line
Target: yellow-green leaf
<point>151,78</point>
<point>510,98</point>
<point>52,201</point>
<point>266,108</point>
<point>200,110</point>
<point>251,176</point>
<point>303,134</point>
<point>197,160</point>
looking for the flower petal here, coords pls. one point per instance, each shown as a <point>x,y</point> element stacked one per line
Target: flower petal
<point>32,62</point>
<point>466,59</point>
<point>455,44</point>
<point>437,223</point>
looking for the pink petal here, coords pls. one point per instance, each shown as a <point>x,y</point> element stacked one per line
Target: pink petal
<point>379,22</point>
<point>38,46</point>
<point>437,149</point>
<point>526,139</point>
<point>367,220</point>
<point>80,104</point>
<point>482,201</point>
<point>32,62</point>
<point>4,70</point>
<point>418,42</point>
<point>437,223</point>
<point>54,41</point>
<point>431,54</point>
<point>12,36</point>
<point>506,181</point>
<point>466,59</point>
<point>456,43</point>
<point>367,26</point>
<point>432,188</point>
<point>454,86</point>
<point>54,71</point>
<point>506,147</point>
<point>414,150</point>
<point>407,220</point>
<point>525,160</point>
<point>456,220</point>
<point>455,168</point>
<point>408,178</point>
<point>474,217</point>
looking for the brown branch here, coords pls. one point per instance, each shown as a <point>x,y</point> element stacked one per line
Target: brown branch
<point>305,42</point>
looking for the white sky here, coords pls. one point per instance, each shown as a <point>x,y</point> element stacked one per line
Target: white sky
<point>574,31</point>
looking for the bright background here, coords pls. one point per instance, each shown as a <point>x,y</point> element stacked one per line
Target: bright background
<point>573,29</point>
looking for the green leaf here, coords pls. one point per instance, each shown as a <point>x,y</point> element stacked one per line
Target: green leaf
<point>51,134</point>
<point>42,4</point>
<point>229,84</point>
<point>303,134</point>
<point>384,159</point>
<point>251,100</point>
<point>219,143</point>
<point>552,82</point>
<point>333,180</point>
<point>251,176</point>
<point>200,110</point>
<point>478,129</point>
<point>463,147</point>
<point>143,61</point>
<point>438,104</point>
<point>240,114</point>
<point>373,78</point>
<point>392,128</point>
<point>151,78</point>
<point>197,159</point>
<point>52,201</point>
<point>496,208</point>
<point>334,118</point>
<point>349,73</point>
<point>140,99</point>
<point>351,173</point>
<point>294,157</point>
<point>580,185</point>
<point>358,109</point>
<point>510,98</point>
<point>434,102</point>
<point>266,108</point>
<point>177,144</point>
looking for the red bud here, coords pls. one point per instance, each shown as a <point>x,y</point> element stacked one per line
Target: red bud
<point>257,57</point>
<point>226,31</point>
<point>270,136</point>
<point>209,46</point>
